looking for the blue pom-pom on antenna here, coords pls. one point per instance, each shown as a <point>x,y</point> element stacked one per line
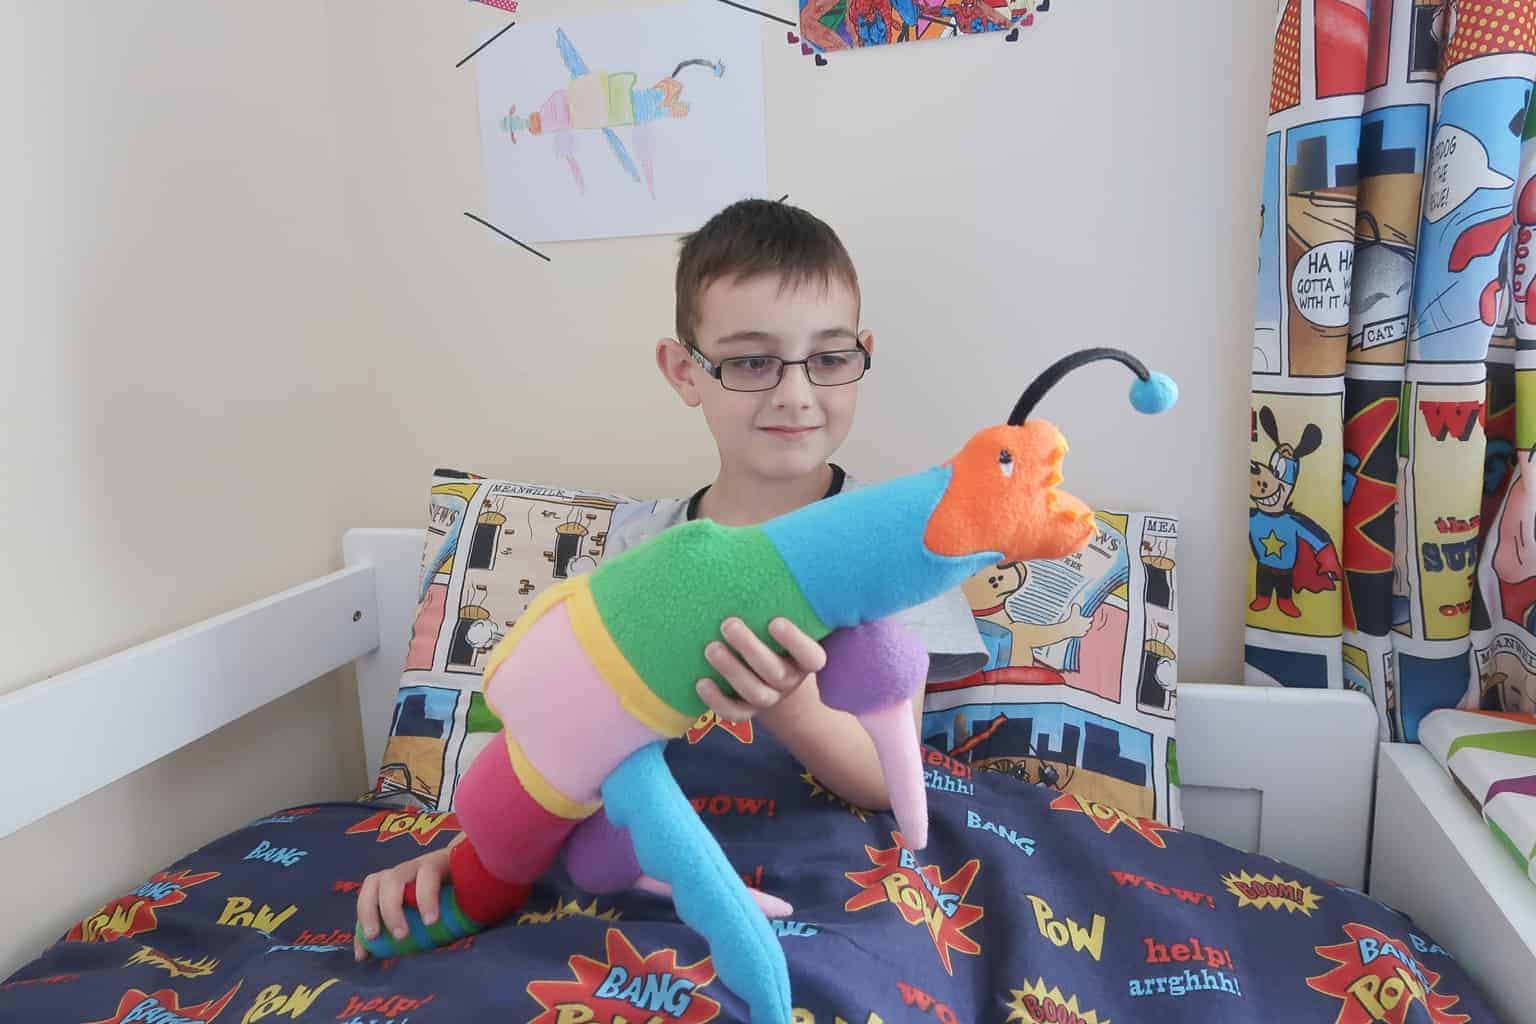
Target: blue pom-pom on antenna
<point>1158,393</point>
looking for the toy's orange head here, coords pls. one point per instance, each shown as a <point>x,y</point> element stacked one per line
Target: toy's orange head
<point>1002,494</point>
<point>1002,497</point>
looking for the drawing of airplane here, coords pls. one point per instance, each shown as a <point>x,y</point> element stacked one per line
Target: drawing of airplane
<point>606,101</point>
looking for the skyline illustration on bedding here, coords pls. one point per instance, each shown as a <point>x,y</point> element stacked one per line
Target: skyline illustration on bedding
<point>1390,430</point>
<point>1028,905</point>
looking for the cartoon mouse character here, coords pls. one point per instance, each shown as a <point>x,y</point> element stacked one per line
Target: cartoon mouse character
<point>1292,552</point>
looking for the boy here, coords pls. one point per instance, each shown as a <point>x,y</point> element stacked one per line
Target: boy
<point>769,349</point>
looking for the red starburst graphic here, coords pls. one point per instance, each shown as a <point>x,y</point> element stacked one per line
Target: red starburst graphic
<point>134,914</point>
<point>164,1004</point>
<point>422,826</point>
<point>1378,979</point>
<point>1110,818</point>
<point>1498,425</point>
<point>923,896</point>
<point>1366,431</point>
<point>625,984</point>
<point>709,721</point>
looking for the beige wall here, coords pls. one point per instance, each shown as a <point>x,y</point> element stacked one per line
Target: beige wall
<point>180,394</point>
<point>244,312</point>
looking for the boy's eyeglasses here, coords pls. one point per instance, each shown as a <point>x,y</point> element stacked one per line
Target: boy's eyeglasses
<point>763,373</point>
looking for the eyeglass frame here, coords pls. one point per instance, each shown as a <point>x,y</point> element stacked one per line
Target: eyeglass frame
<point>716,370</point>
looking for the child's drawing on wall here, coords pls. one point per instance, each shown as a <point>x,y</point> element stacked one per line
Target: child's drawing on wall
<point>605,101</point>
<point>639,121</point>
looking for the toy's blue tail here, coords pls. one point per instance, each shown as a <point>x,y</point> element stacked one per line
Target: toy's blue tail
<point>672,845</point>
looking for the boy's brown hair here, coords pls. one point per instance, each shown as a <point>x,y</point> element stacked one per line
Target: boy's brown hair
<point>753,237</point>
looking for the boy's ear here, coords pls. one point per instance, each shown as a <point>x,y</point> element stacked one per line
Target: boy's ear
<point>867,339</point>
<point>677,366</point>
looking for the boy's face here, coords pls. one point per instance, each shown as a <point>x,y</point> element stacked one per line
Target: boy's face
<point>794,428</point>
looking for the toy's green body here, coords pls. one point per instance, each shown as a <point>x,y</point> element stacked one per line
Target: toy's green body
<point>727,570</point>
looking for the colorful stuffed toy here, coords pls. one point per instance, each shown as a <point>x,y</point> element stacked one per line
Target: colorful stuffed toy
<point>600,670</point>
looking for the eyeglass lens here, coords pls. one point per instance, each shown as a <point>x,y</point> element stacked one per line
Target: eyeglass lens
<point>760,373</point>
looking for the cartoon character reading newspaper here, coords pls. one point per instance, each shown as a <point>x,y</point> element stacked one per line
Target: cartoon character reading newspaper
<point>1028,614</point>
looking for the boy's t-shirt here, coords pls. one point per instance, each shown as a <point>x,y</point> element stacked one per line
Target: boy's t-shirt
<point>944,624</point>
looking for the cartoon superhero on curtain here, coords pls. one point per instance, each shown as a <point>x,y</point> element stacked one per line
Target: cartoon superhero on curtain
<point>1291,551</point>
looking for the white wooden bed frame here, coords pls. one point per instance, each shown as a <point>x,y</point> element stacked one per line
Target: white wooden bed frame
<point>1434,858</point>
<point>1290,773</point>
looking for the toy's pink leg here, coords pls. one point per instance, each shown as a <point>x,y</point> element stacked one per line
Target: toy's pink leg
<point>901,763</point>
<point>601,859</point>
<point>566,719</point>
<point>517,836</point>
<point>510,837</point>
<point>770,905</point>
<point>874,671</point>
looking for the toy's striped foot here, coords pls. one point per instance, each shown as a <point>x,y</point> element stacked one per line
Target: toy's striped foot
<point>471,901</point>
<point>452,925</point>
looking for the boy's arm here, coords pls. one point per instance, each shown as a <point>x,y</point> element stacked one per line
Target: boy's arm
<point>780,692</point>
<point>831,745</point>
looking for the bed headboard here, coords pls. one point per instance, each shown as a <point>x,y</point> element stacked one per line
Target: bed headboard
<point>1289,773</point>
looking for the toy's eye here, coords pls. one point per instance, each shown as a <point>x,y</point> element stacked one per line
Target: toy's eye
<point>1005,462</point>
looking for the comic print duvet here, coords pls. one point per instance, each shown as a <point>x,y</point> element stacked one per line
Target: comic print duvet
<point>1027,906</point>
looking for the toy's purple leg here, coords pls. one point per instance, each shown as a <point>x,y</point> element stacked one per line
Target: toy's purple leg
<point>600,858</point>
<point>873,671</point>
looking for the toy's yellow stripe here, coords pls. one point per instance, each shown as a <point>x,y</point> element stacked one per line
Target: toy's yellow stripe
<point>538,787</point>
<point>620,675</point>
<point>536,609</point>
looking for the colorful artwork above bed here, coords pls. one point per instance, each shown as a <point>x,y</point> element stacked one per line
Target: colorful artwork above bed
<point>1079,692</point>
<point>827,26</point>
<point>630,122</point>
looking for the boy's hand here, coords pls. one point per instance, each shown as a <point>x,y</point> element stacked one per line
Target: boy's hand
<point>383,895</point>
<point>760,677</point>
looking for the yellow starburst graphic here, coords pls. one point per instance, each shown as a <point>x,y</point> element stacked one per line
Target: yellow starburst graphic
<point>567,908</point>
<point>1036,1004</point>
<point>817,789</point>
<point>1271,891</point>
<point>175,966</point>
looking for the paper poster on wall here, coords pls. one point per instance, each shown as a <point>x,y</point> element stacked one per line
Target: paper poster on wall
<point>634,122</point>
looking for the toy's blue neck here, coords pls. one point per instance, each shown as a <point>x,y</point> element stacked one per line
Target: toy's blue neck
<point>859,556</point>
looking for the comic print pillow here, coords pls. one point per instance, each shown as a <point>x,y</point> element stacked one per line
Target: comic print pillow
<point>491,547</point>
<point>1081,661</point>
<point>1080,686</point>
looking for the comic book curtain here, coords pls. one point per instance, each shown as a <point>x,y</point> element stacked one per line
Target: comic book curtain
<point>1390,510</point>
